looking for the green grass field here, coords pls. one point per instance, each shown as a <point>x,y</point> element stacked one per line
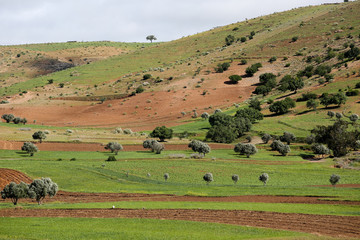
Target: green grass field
<point>90,173</point>
<point>85,228</point>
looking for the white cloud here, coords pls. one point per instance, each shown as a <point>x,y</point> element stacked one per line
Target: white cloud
<point>120,20</point>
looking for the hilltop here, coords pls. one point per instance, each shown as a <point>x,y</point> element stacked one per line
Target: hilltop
<point>104,76</point>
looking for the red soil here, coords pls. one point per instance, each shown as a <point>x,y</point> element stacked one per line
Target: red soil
<point>143,111</point>
<point>10,175</point>
<point>335,226</point>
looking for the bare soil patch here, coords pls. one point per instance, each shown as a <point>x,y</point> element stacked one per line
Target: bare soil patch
<point>335,226</point>
<point>9,175</point>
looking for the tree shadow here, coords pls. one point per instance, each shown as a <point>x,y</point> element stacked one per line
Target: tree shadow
<point>307,156</point>
<point>230,83</point>
<point>285,96</point>
<point>304,112</point>
<point>23,154</point>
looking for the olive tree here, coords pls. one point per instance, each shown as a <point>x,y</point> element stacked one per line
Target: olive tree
<point>200,147</point>
<point>166,176</point>
<point>235,178</point>
<point>39,135</point>
<point>157,147</point>
<point>265,138</point>
<point>245,149</point>
<point>30,148</point>
<point>8,117</point>
<point>114,147</point>
<point>284,149</point>
<point>15,191</point>
<point>205,116</point>
<point>288,137</point>
<point>354,117</point>
<point>334,179</point>
<point>208,178</point>
<point>264,178</point>
<point>320,149</point>
<point>40,188</point>
<point>275,145</point>
<point>149,143</point>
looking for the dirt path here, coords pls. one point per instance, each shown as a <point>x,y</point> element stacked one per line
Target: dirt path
<point>335,226</point>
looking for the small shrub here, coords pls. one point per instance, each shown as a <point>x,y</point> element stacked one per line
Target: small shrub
<point>111,159</point>
<point>166,176</point>
<point>208,178</point>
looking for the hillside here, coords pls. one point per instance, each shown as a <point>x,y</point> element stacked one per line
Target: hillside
<point>183,76</point>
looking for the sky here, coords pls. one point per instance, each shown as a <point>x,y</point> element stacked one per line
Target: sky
<point>43,21</point>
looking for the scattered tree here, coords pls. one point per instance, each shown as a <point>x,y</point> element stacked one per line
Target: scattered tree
<point>264,178</point>
<point>354,117</point>
<point>230,39</point>
<point>312,104</point>
<point>149,144</point>
<point>320,149</point>
<point>200,147</point>
<point>166,176</point>
<point>245,149</point>
<point>30,148</point>
<point>40,188</point>
<point>208,178</point>
<point>250,113</point>
<point>114,147</point>
<point>288,137</point>
<point>255,104</point>
<point>15,191</point>
<point>157,147</point>
<point>331,114</point>
<point>8,117</point>
<point>334,179</point>
<point>205,116</point>
<point>266,138</point>
<point>235,178</point>
<point>162,133</point>
<point>151,38</point>
<point>284,149</point>
<point>281,107</point>
<point>291,83</point>
<point>39,135</point>
<point>234,79</point>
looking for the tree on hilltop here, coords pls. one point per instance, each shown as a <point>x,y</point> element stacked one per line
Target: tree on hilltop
<point>151,38</point>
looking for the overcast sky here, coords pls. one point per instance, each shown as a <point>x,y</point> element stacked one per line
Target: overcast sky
<point>42,21</point>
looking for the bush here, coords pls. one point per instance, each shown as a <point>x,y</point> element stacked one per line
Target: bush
<point>250,71</point>
<point>222,67</point>
<point>334,179</point>
<point>243,39</point>
<point>272,59</point>
<point>146,76</point>
<point>111,159</point>
<point>262,89</point>
<point>208,178</point>
<point>205,116</point>
<point>139,89</point>
<point>322,70</point>
<point>230,39</point>
<point>264,178</point>
<point>352,92</point>
<point>331,114</point>
<point>235,178</point>
<point>166,176</point>
<point>354,117</point>
<point>357,85</point>
<point>234,79</point>
<point>307,96</point>
<point>243,61</point>
<point>294,39</point>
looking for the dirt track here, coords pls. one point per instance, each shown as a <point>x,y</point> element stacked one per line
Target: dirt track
<point>336,226</point>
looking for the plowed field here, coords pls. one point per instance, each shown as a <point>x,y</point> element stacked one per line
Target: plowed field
<point>335,226</point>
<point>10,175</point>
